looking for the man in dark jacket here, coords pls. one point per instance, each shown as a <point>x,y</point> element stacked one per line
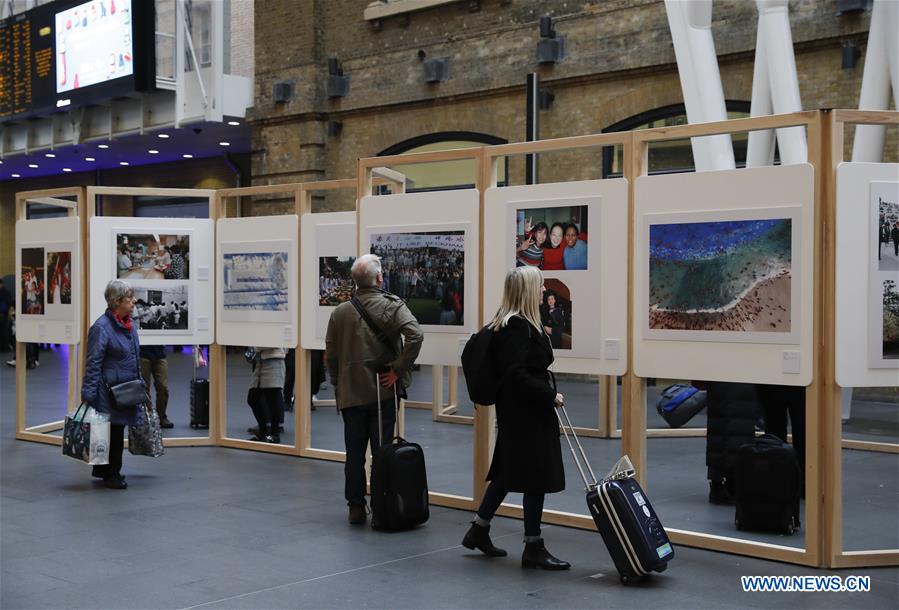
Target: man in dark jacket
<point>354,356</point>
<point>153,364</point>
<point>894,235</point>
<point>732,414</point>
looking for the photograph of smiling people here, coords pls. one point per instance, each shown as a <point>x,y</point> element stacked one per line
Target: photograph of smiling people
<point>553,239</point>
<point>152,256</point>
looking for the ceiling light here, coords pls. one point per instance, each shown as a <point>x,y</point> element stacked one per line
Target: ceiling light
<point>67,169</point>
<point>188,156</point>
<point>1,162</point>
<point>224,143</point>
<point>163,135</point>
<point>16,175</point>
<point>103,146</point>
<point>123,163</point>
<point>153,151</point>
<point>50,156</point>
<point>234,123</point>
<point>89,159</point>
<point>32,165</point>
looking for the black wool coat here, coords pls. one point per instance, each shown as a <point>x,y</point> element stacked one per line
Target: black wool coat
<point>528,454</point>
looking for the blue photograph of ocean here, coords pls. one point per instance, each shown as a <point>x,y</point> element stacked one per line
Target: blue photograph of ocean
<point>721,276</point>
<point>255,281</point>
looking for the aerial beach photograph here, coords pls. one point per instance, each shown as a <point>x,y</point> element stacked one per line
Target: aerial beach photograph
<point>721,276</point>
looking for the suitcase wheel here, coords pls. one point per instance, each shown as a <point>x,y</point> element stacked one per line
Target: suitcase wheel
<point>790,528</point>
<point>737,524</point>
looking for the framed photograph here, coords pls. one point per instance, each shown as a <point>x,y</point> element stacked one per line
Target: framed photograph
<point>723,276</point>
<point>152,256</point>
<point>552,238</point>
<point>335,285</point>
<point>889,349</point>
<point>427,270</point>
<point>33,288</point>
<point>556,313</point>
<point>59,274</point>
<point>256,281</point>
<point>162,307</point>
<point>883,276</point>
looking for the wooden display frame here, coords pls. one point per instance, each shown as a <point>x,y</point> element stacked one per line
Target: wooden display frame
<point>40,433</point>
<point>832,430</point>
<point>90,212</point>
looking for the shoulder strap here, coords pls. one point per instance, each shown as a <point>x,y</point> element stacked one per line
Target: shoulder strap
<point>379,333</point>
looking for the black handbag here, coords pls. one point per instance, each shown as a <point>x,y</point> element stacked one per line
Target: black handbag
<point>128,395</point>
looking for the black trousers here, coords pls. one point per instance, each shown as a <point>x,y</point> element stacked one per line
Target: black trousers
<point>532,503</point>
<point>360,429</point>
<point>116,447</point>
<point>268,408</point>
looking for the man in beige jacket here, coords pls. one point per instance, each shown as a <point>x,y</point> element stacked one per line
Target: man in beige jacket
<point>355,354</point>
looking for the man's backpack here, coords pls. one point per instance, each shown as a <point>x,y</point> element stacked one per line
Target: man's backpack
<point>480,374</point>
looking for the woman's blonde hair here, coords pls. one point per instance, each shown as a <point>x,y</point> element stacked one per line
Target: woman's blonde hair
<point>521,297</point>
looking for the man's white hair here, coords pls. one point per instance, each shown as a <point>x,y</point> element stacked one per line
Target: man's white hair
<point>365,271</point>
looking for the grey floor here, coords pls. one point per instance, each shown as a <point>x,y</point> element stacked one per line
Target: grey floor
<point>235,529</point>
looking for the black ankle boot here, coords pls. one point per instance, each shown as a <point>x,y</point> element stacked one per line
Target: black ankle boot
<point>478,537</point>
<point>536,556</point>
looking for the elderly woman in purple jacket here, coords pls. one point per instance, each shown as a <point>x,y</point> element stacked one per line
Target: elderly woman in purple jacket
<point>113,357</point>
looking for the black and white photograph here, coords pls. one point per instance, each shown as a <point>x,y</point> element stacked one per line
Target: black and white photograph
<point>152,256</point>
<point>885,213</point>
<point>427,270</point>
<point>162,306</point>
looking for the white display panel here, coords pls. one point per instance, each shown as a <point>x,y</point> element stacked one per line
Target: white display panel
<point>723,275</point>
<point>591,285</point>
<point>329,249</point>
<point>257,300</point>
<point>867,193</point>
<point>48,281</point>
<point>441,227</point>
<point>169,263</point>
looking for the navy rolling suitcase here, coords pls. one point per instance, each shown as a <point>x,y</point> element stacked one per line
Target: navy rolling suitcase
<point>399,482</point>
<point>629,526</point>
<point>199,403</point>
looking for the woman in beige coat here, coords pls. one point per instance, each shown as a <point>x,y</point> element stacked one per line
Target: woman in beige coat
<point>266,396</point>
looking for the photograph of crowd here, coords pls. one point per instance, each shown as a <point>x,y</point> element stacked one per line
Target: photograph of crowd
<point>162,307</point>
<point>256,281</point>
<point>152,256</point>
<point>890,320</point>
<point>555,313</point>
<point>887,218</point>
<point>335,286</point>
<point>33,281</point>
<point>554,239</point>
<point>721,276</point>
<point>59,267</point>
<point>427,270</point>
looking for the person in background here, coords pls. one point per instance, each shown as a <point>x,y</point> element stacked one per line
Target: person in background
<point>732,415</point>
<point>575,253</point>
<point>554,251</point>
<point>777,402</point>
<point>113,350</point>
<point>527,457</point>
<point>267,388</point>
<point>153,364</point>
<point>530,250</point>
<point>894,235</point>
<point>357,362</point>
<point>5,303</point>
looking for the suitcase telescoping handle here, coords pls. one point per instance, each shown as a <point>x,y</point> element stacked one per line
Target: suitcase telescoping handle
<point>396,408</point>
<point>577,460</point>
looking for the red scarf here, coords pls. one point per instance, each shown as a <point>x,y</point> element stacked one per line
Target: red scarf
<point>124,322</point>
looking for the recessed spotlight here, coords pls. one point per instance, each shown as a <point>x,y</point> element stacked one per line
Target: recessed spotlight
<point>188,156</point>
<point>67,169</point>
<point>123,163</point>
<point>89,159</point>
<point>50,156</point>
<point>162,135</point>
<point>234,123</point>
<point>102,145</point>
<point>17,175</point>
<point>224,143</point>
<point>153,151</point>
<point>32,165</point>
<point>1,162</point>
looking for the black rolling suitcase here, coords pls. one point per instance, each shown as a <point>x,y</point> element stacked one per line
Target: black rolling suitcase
<point>768,483</point>
<point>399,482</point>
<point>199,403</point>
<point>629,526</point>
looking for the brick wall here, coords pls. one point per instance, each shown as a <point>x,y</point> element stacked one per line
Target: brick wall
<point>243,44</point>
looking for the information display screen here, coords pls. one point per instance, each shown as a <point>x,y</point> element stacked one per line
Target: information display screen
<point>93,44</point>
<point>70,52</point>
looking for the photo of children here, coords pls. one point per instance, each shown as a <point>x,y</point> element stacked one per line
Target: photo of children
<point>33,282</point>
<point>152,257</point>
<point>554,239</point>
<point>335,286</point>
<point>555,313</point>
<point>59,265</point>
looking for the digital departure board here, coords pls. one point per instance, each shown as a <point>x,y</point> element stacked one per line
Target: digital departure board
<point>71,52</point>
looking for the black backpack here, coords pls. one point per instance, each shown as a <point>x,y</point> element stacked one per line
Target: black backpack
<point>480,374</point>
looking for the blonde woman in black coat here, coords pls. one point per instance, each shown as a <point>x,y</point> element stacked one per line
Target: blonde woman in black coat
<point>528,455</point>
